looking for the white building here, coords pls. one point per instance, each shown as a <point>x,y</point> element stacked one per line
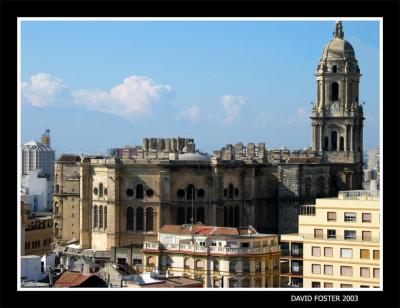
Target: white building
<point>36,190</point>
<point>31,269</point>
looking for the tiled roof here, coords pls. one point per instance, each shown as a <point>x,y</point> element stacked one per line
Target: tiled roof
<point>70,279</point>
<point>175,282</point>
<point>200,229</point>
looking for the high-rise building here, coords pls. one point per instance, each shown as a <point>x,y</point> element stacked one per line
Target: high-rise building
<point>337,246</point>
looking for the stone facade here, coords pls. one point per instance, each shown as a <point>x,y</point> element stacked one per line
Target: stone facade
<point>126,199</point>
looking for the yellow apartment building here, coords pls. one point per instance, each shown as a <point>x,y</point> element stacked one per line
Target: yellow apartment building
<point>338,244</point>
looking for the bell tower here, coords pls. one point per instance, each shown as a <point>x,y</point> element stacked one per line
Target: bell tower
<point>337,117</point>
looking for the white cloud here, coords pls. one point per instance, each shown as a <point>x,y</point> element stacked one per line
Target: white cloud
<point>262,119</point>
<point>190,114</point>
<point>134,96</point>
<point>301,116</point>
<point>44,90</point>
<point>232,106</point>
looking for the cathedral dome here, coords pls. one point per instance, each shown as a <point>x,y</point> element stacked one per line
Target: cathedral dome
<point>338,48</point>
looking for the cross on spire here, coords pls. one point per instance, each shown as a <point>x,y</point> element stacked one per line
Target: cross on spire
<point>338,30</point>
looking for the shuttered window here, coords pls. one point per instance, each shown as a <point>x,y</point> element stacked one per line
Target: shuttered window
<point>366,235</point>
<point>366,217</point>
<point>318,233</point>
<point>331,216</point>
<point>364,253</point>
<point>376,254</point>
<point>316,251</point>
<point>346,271</point>
<point>364,272</point>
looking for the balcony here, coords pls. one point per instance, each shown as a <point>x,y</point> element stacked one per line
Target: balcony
<point>307,210</point>
<point>358,195</point>
<point>188,248</point>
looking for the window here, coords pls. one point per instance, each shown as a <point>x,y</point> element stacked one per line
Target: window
<point>149,192</point>
<point>316,268</point>
<point>230,191</point>
<point>236,217</point>
<point>364,272</point>
<point>364,286</point>
<point>349,234</point>
<point>366,235</point>
<point>200,214</point>
<point>139,191</point>
<point>295,266</point>
<point>199,264</point>
<point>346,253</point>
<point>246,266</point>
<point>180,216</point>
<point>95,191</point>
<point>216,265</point>
<point>364,253</point>
<point>232,283</point>
<point>95,216</point>
<point>376,254</point>
<point>320,186</point>
<point>326,143</point>
<point>345,285</point>
<point>258,266</point>
<point>328,285</point>
<point>101,190</point>
<point>129,219</point>
<point>200,193</point>
<point>129,192</point>
<point>105,191</point>
<point>334,141</point>
<point>366,217</point>
<point>105,217</point>
<point>236,192</point>
<point>350,217</point>
<point>316,251</point>
<point>328,252</point>
<point>335,91</point>
<point>331,216</point>
<point>331,233</point>
<point>315,284</point>
<point>334,69</point>
<point>149,219</point>
<point>346,271</point>
<point>318,233</point>
<point>101,216</point>
<point>341,143</point>
<point>190,192</point>
<point>232,267</point>
<point>139,219</point>
<point>328,269</point>
<point>180,193</point>
<point>376,272</point>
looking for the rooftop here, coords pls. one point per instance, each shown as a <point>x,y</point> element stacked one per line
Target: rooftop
<point>200,229</point>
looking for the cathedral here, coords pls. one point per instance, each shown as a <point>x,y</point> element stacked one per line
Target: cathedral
<point>126,199</point>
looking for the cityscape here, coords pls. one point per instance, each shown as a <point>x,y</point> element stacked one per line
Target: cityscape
<point>165,213</point>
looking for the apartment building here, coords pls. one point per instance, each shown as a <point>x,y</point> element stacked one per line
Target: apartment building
<point>221,257</point>
<point>338,244</point>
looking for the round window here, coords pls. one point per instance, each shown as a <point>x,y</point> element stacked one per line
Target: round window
<point>200,192</point>
<point>236,192</point>
<point>95,191</point>
<point>180,193</point>
<point>149,192</point>
<point>129,192</point>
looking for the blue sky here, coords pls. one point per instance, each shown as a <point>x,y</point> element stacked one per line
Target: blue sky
<point>103,84</point>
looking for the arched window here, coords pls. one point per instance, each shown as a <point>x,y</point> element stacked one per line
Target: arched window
<point>320,186</point>
<point>57,189</point>
<point>230,191</point>
<point>199,264</point>
<point>216,265</point>
<point>180,216</point>
<point>151,261</point>
<point>100,216</point>
<point>139,191</point>
<point>335,91</point>
<point>225,216</point>
<point>95,216</point>
<point>334,141</point>
<point>236,217</point>
<point>189,215</point>
<point>139,219</point>
<point>105,217</point>
<point>186,263</point>
<point>190,192</point>
<point>101,190</point>
<point>326,143</point>
<point>129,219</point>
<point>341,143</point>
<point>149,219</point>
<point>230,224</point>
<point>245,283</point>
<point>200,193</point>
<point>180,193</point>
<point>232,266</point>
<point>334,69</point>
<point>200,214</point>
